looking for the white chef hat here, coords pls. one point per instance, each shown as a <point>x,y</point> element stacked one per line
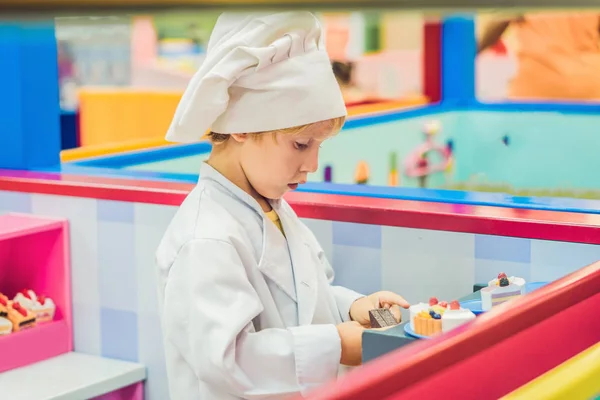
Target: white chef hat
<point>262,72</point>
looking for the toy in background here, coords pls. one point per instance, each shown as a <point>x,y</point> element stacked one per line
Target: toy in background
<point>393,178</point>
<point>25,311</point>
<point>92,51</point>
<point>67,80</point>
<point>361,176</point>
<point>352,93</point>
<point>450,153</point>
<point>328,174</point>
<point>417,164</point>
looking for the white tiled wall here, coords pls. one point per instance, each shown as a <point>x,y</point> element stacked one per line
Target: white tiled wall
<point>114,292</point>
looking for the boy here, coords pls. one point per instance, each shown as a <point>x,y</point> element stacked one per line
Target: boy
<point>245,294</point>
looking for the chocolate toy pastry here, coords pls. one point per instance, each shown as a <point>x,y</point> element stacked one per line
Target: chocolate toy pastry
<point>382,317</point>
<point>20,317</point>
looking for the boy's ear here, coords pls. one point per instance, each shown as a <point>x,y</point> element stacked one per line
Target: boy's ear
<point>240,137</point>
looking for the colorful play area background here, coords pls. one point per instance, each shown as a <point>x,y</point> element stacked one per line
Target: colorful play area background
<point>121,79</point>
<point>115,72</point>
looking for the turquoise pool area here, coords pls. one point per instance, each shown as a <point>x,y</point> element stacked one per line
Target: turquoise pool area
<point>525,147</point>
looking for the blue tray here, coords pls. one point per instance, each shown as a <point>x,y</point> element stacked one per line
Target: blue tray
<point>475,305</point>
<point>410,332</point>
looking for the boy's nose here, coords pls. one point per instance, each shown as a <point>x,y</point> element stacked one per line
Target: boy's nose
<point>311,163</point>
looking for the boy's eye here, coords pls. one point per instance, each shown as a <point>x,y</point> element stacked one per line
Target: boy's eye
<point>301,146</point>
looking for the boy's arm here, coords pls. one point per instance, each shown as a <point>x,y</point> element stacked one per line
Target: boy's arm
<point>208,312</point>
<point>344,297</point>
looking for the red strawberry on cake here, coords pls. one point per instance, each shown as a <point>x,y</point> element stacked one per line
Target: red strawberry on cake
<point>4,304</point>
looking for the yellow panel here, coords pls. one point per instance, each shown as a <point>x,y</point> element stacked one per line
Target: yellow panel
<point>96,117</point>
<point>112,116</point>
<point>576,379</point>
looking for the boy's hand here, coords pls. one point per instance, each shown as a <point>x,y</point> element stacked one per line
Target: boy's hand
<point>359,311</point>
<point>351,337</point>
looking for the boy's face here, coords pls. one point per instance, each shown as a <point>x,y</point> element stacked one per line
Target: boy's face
<point>274,166</point>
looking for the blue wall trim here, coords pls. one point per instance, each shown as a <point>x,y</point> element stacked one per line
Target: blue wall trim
<point>144,156</point>
<point>396,193</point>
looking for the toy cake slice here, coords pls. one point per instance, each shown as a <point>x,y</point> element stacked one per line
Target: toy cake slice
<point>20,317</point>
<point>42,306</point>
<point>438,317</point>
<point>501,290</point>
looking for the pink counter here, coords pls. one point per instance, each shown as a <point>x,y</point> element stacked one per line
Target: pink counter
<point>533,224</point>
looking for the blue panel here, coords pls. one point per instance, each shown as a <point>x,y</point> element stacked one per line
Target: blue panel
<point>69,127</point>
<point>357,268</point>
<point>15,202</point>
<point>124,173</point>
<point>116,266</point>
<point>357,235</point>
<point>122,160</point>
<point>503,248</point>
<point>510,106</point>
<point>386,192</point>
<point>458,59</point>
<point>115,211</point>
<point>119,334</point>
<point>29,99</point>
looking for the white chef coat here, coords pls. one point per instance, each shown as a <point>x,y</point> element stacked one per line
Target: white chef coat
<point>246,312</point>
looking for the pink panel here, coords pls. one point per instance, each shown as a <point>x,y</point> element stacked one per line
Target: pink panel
<point>133,392</point>
<point>16,225</point>
<point>36,344</point>
<point>36,257</point>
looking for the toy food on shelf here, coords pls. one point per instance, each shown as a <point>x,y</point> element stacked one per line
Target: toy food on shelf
<point>382,317</point>
<point>4,303</point>
<point>438,317</point>
<point>5,326</point>
<point>500,290</point>
<point>361,175</point>
<point>20,317</point>
<point>43,307</point>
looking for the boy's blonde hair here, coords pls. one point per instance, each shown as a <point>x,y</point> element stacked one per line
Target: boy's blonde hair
<point>334,124</point>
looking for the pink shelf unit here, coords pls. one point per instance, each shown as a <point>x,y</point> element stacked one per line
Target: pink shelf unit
<point>34,254</point>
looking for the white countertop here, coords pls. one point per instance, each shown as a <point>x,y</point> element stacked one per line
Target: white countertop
<point>71,376</point>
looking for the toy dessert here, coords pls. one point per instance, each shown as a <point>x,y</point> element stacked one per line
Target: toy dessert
<point>438,317</point>
<point>4,304</point>
<point>43,307</point>
<point>6,326</point>
<point>381,318</point>
<point>20,317</point>
<point>501,290</point>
